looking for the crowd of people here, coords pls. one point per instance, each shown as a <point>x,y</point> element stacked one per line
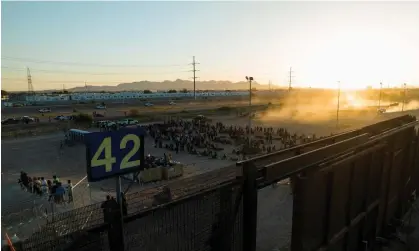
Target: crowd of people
<point>201,137</point>
<point>53,189</point>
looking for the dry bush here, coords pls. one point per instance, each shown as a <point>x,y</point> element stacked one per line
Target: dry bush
<point>133,112</point>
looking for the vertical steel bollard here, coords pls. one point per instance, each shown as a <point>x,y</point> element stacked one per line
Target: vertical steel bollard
<point>297,236</point>
<point>250,206</point>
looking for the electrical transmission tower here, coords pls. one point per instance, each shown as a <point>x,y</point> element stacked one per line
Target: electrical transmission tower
<point>30,86</point>
<point>194,70</point>
<point>290,79</point>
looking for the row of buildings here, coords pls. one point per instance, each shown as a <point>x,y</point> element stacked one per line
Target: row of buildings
<point>127,95</point>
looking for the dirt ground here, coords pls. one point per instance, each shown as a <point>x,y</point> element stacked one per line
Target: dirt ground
<point>41,157</point>
<point>115,109</point>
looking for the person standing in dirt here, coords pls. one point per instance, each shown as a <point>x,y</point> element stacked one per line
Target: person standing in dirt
<point>106,209</point>
<point>55,179</point>
<point>49,185</point>
<point>61,147</point>
<point>70,191</point>
<point>24,180</point>
<point>59,193</point>
<point>110,209</point>
<point>53,192</point>
<point>111,215</point>
<point>44,186</point>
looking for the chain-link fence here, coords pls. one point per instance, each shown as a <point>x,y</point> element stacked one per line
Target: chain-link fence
<point>81,194</point>
<point>201,196</point>
<point>202,221</point>
<point>190,224</point>
<point>26,221</point>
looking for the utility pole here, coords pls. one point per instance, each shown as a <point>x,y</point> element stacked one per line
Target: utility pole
<point>250,79</point>
<point>194,70</point>
<point>337,110</point>
<point>404,96</point>
<point>30,86</point>
<point>290,79</point>
<point>379,99</point>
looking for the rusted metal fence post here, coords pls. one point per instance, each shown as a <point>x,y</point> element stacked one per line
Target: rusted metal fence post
<point>298,213</point>
<point>250,206</point>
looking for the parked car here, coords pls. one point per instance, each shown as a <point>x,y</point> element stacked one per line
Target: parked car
<point>148,104</point>
<point>98,115</point>
<point>10,121</point>
<point>62,117</point>
<point>27,119</point>
<point>104,123</point>
<point>172,103</point>
<point>381,110</point>
<point>44,110</point>
<point>201,118</point>
<point>127,122</point>
<point>101,107</point>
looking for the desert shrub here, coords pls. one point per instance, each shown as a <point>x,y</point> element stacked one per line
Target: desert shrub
<point>133,112</point>
<point>225,109</point>
<point>83,118</point>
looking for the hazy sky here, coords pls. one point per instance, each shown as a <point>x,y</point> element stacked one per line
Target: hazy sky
<point>68,43</point>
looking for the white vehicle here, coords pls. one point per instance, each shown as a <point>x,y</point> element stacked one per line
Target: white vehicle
<point>44,110</point>
<point>172,103</point>
<point>106,123</point>
<point>27,118</point>
<point>101,123</point>
<point>381,110</point>
<point>62,117</point>
<point>148,104</point>
<point>101,107</point>
<point>127,122</point>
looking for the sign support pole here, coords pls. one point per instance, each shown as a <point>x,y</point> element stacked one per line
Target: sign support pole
<point>119,200</point>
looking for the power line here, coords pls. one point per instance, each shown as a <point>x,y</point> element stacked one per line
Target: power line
<point>67,81</point>
<point>85,73</point>
<point>81,64</point>
<point>194,70</point>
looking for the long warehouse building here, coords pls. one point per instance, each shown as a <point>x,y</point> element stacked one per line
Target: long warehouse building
<point>129,95</point>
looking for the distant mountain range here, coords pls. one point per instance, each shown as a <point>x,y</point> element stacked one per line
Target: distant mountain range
<point>178,84</point>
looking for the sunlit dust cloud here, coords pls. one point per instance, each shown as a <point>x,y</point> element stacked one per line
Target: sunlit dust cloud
<point>412,105</point>
<point>309,107</point>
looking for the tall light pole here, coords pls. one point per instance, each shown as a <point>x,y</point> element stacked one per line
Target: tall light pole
<point>337,110</point>
<point>404,96</point>
<point>379,98</point>
<point>250,79</point>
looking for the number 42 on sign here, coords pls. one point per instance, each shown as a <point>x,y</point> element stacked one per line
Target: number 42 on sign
<point>110,154</point>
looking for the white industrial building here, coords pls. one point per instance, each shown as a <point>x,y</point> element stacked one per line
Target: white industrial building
<point>129,95</point>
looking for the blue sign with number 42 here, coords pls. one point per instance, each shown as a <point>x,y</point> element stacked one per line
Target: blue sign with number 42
<point>111,154</point>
